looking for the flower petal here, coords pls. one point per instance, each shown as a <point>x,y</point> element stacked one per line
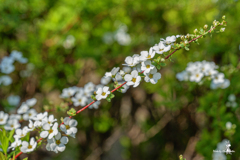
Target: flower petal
<point>44,134</point>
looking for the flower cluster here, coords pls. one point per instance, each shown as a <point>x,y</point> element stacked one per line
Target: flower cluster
<point>199,71</point>
<point>7,66</point>
<point>221,147</point>
<point>232,101</point>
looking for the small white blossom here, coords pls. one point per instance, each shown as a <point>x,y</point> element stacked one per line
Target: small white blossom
<point>196,77</point>
<point>127,69</point>
<point>29,114</point>
<point>38,119</point>
<point>89,87</point>
<point>28,147</point>
<point>31,126</point>
<point>131,61</point>
<point>49,131</point>
<point>13,100</point>
<point>182,76</point>
<point>12,124</point>
<point>5,80</point>
<point>15,116</point>
<point>232,98</point>
<point>20,133</point>
<point>112,73</point>
<point>147,66</point>
<point>59,143</point>
<point>161,48</point>
<point>153,76</point>
<point>67,92</point>
<point>218,78</point>
<point>50,120</point>
<point>69,126</point>
<point>17,56</point>
<point>102,93</point>
<point>31,102</point>
<point>23,108</point>
<point>79,100</point>
<point>16,143</point>
<point>94,105</point>
<point>145,55</point>
<point>133,78</point>
<point>105,80</point>
<point>228,125</point>
<point>3,118</point>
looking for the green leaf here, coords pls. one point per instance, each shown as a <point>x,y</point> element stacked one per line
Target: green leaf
<point>93,97</point>
<point>25,158</point>
<point>2,156</point>
<point>10,136</point>
<point>163,64</point>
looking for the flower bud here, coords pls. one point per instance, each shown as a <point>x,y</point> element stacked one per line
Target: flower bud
<point>223,17</point>
<point>222,29</point>
<point>205,26</point>
<point>182,37</point>
<point>186,41</point>
<point>188,36</point>
<point>162,59</point>
<point>195,31</point>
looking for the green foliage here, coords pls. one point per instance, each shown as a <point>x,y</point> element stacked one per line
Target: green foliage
<point>71,112</point>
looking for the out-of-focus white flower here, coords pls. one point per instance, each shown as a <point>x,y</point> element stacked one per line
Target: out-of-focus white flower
<point>112,73</point>
<point>125,87</point>
<point>23,108</point>
<point>15,116</point>
<point>196,77</point>
<point>50,120</point>
<point>5,80</point>
<point>161,48</point>
<point>29,114</point>
<point>49,131</point>
<point>219,156</point>
<point>17,56</point>
<point>232,98</point>
<point>153,76</point>
<point>13,100</point>
<point>28,147</point>
<point>3,118</point>
<point>145,55</point>
<point>69,126</point>
<point>105,80</point>
<point>79,100</point>
<point>147,66</point>
<point>133,78</point>
<point>228,125</point>
<point>31,126</point>
<point>169,40</point>
<point>218,78</point>
<point>131,61</point>
<point>12,124</point>
<point>182,76</point>
<point>20,133</point>
<point>69,42</point>
<point>16,143</point>
<point>94,105</point>
<point>31,102</point>
<point>89,87</point>
<point>67,92</point>
<point>38,119</point>
<point>102,93</point>
<point>127,69</point>
<point>59,143</point>
<point>108,38</point>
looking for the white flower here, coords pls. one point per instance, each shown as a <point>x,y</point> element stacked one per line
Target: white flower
<point>94,105</point>
<point>232,98</point>
<point>17,56</point>
<point>153,76</point>
<point>12,124</point>
<point>13,100</point>
<point>228,125</point>
<point>145,55</point>
<point>196,77</point>
<point>49,132</point>
<point>31,102</point>
<point>20,133</point>
<point>161,47</point>
<point>38,119</point>
<point>218,78</point>
<point>112,73</point>
<point>105,80</point>
<point>67,92</point>
<point>182,76</point>
<point>102,93</point>
<point>219,156</point>
<point>131,61</point>
<point>169,40</point>
<point>31,126</point>
<point>29,114</point>
<point>28,147</point>
<point>16,143</point>
<point>132,79</point>
<point>127,69</point>
<point>118,77</point>
<point>23,108</point>
<point>6,65</point>
<point>223,85</point>
<point>59,143</point>
<point>5,80</point>
<point>89,87</point>
<point>79,99</point>
<point>15,116</point>
<point>69,126</point>
<point>49,120</point>
<point>3,118</point>
<point>147,66</point>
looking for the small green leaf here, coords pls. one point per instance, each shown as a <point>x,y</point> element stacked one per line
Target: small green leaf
<point>2,157</point>
<point>186,48</point>
<point>163,64</point>
<point>25,158</point>
<point>93,97</point>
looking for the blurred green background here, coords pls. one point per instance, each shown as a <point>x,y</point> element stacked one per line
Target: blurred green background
<point>64,39</point>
